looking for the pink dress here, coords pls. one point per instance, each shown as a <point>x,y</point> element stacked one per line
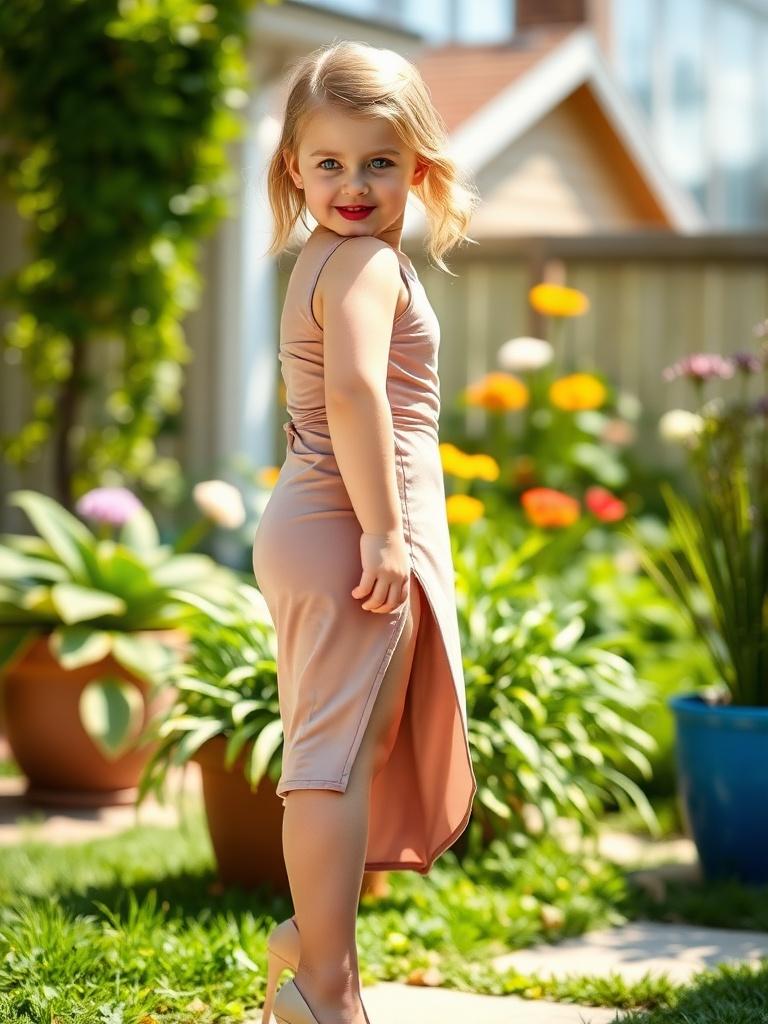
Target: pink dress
<point>331,653</point>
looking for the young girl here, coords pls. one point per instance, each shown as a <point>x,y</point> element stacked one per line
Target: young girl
<point>352,552</point>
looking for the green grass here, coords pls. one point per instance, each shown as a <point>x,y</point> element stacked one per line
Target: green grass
<point>135,929</point>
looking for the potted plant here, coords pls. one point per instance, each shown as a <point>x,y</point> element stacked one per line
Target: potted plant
<point>89,625</point>
<point>226,718</point>
<point>716,568</point>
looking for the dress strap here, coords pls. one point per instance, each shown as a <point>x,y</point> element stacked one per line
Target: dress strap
<point>336,242</point>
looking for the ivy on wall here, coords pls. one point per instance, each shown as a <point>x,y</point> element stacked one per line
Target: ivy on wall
<point>115,118</point>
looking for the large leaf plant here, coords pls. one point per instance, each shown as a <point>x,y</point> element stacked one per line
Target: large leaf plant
<point>94,596</point>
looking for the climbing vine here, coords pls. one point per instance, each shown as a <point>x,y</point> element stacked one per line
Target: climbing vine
<point>116,115</point>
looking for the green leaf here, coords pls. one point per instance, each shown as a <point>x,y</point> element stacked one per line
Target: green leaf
<point>121,572</point>
<point>186,683</point>
<point>17,566</point>
<point>74,603</point>
<point>14,642</point>
<point>243,708</point>
<point>66,534</point>
<point>265,744</point>
<point>140,532</point>
<point>238,739</point>
<point>111,711</point>
<point>75,646</point>
<point>40,600</point>
<point>489,799</point>
<point>181,570</point>
<point>214,611</point>
<point>195,739</point>
<point>147,657</point>
<point>523,741</point>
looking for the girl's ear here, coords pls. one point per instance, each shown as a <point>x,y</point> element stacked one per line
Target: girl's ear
<point>420,173</point>
<point>290,162</point>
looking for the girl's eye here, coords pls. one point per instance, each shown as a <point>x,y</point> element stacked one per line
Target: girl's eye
<point>329,159</point>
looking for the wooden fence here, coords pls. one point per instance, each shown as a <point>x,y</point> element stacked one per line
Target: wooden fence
<point>654,298</point>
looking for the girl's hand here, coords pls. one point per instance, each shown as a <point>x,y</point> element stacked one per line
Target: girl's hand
<point>386,571</point>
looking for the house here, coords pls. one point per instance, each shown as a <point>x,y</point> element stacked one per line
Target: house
<point>553,141</point>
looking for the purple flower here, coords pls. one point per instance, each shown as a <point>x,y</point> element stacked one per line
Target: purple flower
<point>114,505</point>
<point>747,362</point>
<point>699,366</point>
<point>760,406</point>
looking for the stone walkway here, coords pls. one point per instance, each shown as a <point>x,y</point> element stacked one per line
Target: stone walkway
<point>631,951</point>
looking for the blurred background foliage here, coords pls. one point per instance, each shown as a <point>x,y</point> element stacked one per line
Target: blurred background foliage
<point>116,118</point>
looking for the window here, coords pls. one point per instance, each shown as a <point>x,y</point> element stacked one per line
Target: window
<point>681,117</point>
<point>633,47</point>
<point>736,132</point>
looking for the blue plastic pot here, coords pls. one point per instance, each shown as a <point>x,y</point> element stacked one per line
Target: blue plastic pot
<point>722,764</point>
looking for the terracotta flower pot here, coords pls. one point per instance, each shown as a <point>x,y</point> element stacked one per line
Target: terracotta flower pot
<point>63,765</point>
<point>246,826</point>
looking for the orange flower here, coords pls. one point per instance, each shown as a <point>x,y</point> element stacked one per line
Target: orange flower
<point>544,506</point>
<point>557,300</point>
<point>604,505</point>
<point>577,391</point>
<point>462,508</point>
<point>268,475</point>
<point>498,391</point>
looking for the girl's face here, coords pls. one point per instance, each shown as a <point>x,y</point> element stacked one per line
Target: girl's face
<point>345,161</point>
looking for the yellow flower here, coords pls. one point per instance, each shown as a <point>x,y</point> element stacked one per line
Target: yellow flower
<point>467,467</point>
<point>462,508</point>
<point>450,456</point>
<point>268,476</point>
<point>498,391</point>
<point>485,467</point>
<point>557,300</point>
<point>456,462</point>
<point>577,391</point>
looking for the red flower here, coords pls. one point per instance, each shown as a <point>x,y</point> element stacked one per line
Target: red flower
<point>604,505</point>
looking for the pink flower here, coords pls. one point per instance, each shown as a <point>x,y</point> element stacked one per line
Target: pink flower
<point>700,366</point>
<point>114,505</point>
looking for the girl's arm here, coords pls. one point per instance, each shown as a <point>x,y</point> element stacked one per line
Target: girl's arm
<point>359,301</point>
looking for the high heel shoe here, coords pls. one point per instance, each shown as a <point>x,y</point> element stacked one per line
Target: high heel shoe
<point>291,1007</point>
<point>283,951</point>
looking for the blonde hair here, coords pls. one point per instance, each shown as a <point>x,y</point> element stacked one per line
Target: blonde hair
<point>369,81</point>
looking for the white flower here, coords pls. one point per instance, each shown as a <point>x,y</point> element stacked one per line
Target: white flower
<point>519,355</point>
<point>680,426</point>
<point>220,502</point>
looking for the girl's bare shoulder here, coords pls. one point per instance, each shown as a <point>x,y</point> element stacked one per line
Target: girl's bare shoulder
<point>362,265</point>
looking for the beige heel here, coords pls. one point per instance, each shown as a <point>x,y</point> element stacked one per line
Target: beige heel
<point>291,1007</point>
<point>283,951</point>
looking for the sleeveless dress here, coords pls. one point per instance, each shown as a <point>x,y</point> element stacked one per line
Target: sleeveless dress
<point>331,653</point>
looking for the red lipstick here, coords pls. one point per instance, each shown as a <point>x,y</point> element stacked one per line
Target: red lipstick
<point>356,212</point>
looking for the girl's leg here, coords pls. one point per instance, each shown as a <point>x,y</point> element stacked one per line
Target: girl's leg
<point>325,836</point>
